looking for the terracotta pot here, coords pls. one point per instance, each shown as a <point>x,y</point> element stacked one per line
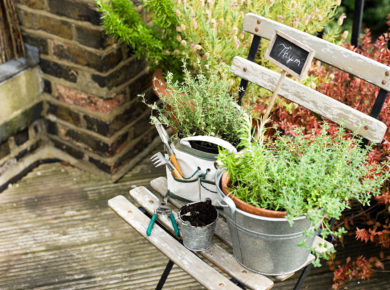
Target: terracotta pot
<point>159,85</point>
<point>242,205</point>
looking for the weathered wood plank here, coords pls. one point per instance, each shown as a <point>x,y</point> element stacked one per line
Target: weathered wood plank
<point>337,56</point>
<point>363,124</point>
<point>182,257</point>
<point>218,256</point>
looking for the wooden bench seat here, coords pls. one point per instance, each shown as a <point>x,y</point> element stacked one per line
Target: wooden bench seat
<point>177,253</point>
<point>169,246</point>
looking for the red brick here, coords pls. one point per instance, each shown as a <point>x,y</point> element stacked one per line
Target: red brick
<point>87,100</point>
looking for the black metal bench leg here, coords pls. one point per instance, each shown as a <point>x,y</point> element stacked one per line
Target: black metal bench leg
<point>307,269</point>
<point>302,278</point>
<point>235,281</point>
<point>164,275</point>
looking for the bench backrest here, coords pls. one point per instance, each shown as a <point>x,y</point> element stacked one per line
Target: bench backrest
<point>365,68</point>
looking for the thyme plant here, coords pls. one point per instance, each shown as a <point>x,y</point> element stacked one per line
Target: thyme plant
<point>201,105</point>
<point>312,176</point>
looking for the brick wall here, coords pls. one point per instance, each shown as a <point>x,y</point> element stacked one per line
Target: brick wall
<point>91,85</point>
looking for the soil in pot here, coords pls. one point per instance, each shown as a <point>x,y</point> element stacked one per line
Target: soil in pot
<point>199,214</point>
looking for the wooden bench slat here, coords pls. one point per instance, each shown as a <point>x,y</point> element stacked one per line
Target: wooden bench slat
<point>182,257</point>
<point>337,56</point>
<point>217,255</point>
<point>363,124</point>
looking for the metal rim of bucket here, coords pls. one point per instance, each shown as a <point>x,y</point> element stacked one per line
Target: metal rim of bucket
<point>187,223</point>
<point>218,177</point>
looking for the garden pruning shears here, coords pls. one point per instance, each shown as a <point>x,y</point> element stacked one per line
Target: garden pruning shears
<point>164,209</point>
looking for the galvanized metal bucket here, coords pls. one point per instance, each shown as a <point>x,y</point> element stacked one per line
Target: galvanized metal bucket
<point>265,245</point>
<point>197,238</point>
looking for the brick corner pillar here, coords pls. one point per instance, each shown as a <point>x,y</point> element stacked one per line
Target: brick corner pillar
<point>94,116</point>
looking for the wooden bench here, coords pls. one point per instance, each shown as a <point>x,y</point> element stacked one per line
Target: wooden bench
<point>366,125</point>
<point>178,254</point>
<point>378,74</point>
<point>367,69</point>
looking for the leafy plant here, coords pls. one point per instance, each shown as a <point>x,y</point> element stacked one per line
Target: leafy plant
<point>368,224</point>
<point>201,105</point>
<point>312,175</point>
<point>153,37</point>
<point>210,31</point>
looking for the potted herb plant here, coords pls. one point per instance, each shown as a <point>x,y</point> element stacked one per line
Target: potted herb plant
<point>200,105</point>
<point>301,181</point>
<point>204,116</point>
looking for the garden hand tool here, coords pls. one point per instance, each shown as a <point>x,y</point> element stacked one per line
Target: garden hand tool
<point>164,138</point>
<point>164,209</point>
<point>158,159</point>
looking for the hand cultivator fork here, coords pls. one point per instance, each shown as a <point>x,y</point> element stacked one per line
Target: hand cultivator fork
<point>158,159</point>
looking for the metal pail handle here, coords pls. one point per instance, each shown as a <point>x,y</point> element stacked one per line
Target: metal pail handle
<point>224,201</point>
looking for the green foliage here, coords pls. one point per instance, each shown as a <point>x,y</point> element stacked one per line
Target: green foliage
<point>201,105</point>
<point>210,32</point>
<point>315,176</point>
<point>153,39</point>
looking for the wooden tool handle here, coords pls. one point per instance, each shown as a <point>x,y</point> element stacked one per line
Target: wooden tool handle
<point>177,174</point>
<point>175,163</point>
<point>274,95</point>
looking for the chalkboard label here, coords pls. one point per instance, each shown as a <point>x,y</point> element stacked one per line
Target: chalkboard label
<point>289,54</point>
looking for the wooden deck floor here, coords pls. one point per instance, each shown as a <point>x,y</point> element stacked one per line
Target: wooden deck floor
<point>57,232</point>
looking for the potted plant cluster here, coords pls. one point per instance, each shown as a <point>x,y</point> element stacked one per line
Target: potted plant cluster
<point>300,182</point>
<point>200,105</point>
<point>204,116</point>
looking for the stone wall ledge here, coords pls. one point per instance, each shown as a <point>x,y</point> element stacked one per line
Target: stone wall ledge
<point>16,66</point>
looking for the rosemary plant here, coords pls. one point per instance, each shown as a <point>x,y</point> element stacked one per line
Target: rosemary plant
<point>152,36</point>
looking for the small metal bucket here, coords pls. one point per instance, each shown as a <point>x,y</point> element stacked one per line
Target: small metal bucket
<point>196,238</point>
<point>265,245</point>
